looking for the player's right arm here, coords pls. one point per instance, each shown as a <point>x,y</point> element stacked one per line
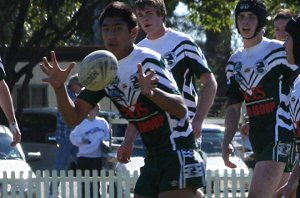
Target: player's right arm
<point>232,117</point>
<point>125,149</point>
<point>73,112</point>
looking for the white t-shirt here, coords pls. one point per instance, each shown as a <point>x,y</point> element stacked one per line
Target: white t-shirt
<point>95,131</point>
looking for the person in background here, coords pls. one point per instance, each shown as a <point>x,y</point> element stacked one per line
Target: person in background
<point>292,47</point>
<point>146,95</point>
<point>259,74</point>
<point>66,152</point>
<point>88,136</point>
<point>7,107</point>
<point>279,22</point>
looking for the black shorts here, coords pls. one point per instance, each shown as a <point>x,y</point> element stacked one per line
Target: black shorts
<point>170,170</point>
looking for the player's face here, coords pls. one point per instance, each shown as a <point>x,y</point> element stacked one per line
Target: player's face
<point>247,23</point>
<point>117,37</point>
<point>150,22</point>
<point>288,45</point>
<point>279,26</point>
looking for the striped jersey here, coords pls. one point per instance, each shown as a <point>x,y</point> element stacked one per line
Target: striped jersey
<point>184,59</point>
<point>2,72</point>
<point>260,76</point>
<point>295,107</point>
<point>158,129</point>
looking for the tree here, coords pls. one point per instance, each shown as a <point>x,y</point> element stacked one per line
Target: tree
<point>39,25</point>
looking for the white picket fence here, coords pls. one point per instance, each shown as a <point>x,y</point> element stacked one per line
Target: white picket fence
<point>113,185</point>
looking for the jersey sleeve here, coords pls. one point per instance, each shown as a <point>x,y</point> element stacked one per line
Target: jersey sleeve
<point>233,90</point>
<point>166,80</point>
<point>195,59</point>
<point>92,97</point>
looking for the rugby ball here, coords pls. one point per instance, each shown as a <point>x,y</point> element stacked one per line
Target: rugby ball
<point>97,70</point>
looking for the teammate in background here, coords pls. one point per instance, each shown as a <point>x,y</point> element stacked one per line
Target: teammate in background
<point>279,22</point>
<point>146,94</point>
<point>259,74</point>
<point>88,136</point>
<point>65,151</point>
<point>6,105</point>
<point>183,58</point>
<point>292,47</point>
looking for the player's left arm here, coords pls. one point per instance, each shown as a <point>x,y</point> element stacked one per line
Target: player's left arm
<point>206,99</point>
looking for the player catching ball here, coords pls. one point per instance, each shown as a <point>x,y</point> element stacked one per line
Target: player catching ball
<point>146,94</point>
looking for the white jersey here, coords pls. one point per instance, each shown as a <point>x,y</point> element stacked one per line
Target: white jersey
<point>95,131</point>
<point>295,106</point>
<point>184,59</point>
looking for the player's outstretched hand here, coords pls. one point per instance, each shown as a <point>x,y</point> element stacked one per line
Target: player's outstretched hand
<point>147,81</point>
<point>226,152</point>
<point>56,76</point>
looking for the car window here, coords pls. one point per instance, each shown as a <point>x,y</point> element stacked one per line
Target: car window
<point>37,127</point>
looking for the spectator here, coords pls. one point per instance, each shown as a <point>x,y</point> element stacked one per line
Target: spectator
<point>88,136</point>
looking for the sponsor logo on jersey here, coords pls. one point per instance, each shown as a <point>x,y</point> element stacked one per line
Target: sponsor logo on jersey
<point>284,149</point>
<point>170,60</point>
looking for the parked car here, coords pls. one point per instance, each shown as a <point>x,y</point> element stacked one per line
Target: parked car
<point>38,126</point>
<point>13,159</point>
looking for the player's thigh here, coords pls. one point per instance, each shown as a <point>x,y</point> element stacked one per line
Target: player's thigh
<point>180,193</point>
<point>266,178</point>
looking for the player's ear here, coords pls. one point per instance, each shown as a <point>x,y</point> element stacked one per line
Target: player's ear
<point>134,33</point>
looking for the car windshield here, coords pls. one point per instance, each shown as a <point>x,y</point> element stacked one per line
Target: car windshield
<point>7,151</point>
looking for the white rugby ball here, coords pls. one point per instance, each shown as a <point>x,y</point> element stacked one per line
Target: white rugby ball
<point>97,70</point>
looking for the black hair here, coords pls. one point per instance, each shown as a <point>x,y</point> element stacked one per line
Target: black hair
<point>293,28</point>
<point>119,9</point>
<point>255,6</point>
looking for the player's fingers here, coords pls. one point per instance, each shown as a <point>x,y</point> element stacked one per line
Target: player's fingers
<point>140,70</point>
<point>44,69</point>
<point>46,63</point>
<point>53,58</point>
<point>70,67</point>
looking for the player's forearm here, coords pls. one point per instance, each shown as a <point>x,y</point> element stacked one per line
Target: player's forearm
<point>66,106</point>
<point>232,117</point>
<point>170,103</point>
<point>130,134</point>
<point>206,99</point>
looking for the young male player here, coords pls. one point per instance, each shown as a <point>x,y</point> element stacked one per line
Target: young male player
<point>183,58</point>
<point>259,74</point>
<point>146,94</point>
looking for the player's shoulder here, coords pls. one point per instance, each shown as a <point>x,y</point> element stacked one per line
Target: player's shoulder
<point>146,52</point>
<point>179,36</point>
<point>272,44</point>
